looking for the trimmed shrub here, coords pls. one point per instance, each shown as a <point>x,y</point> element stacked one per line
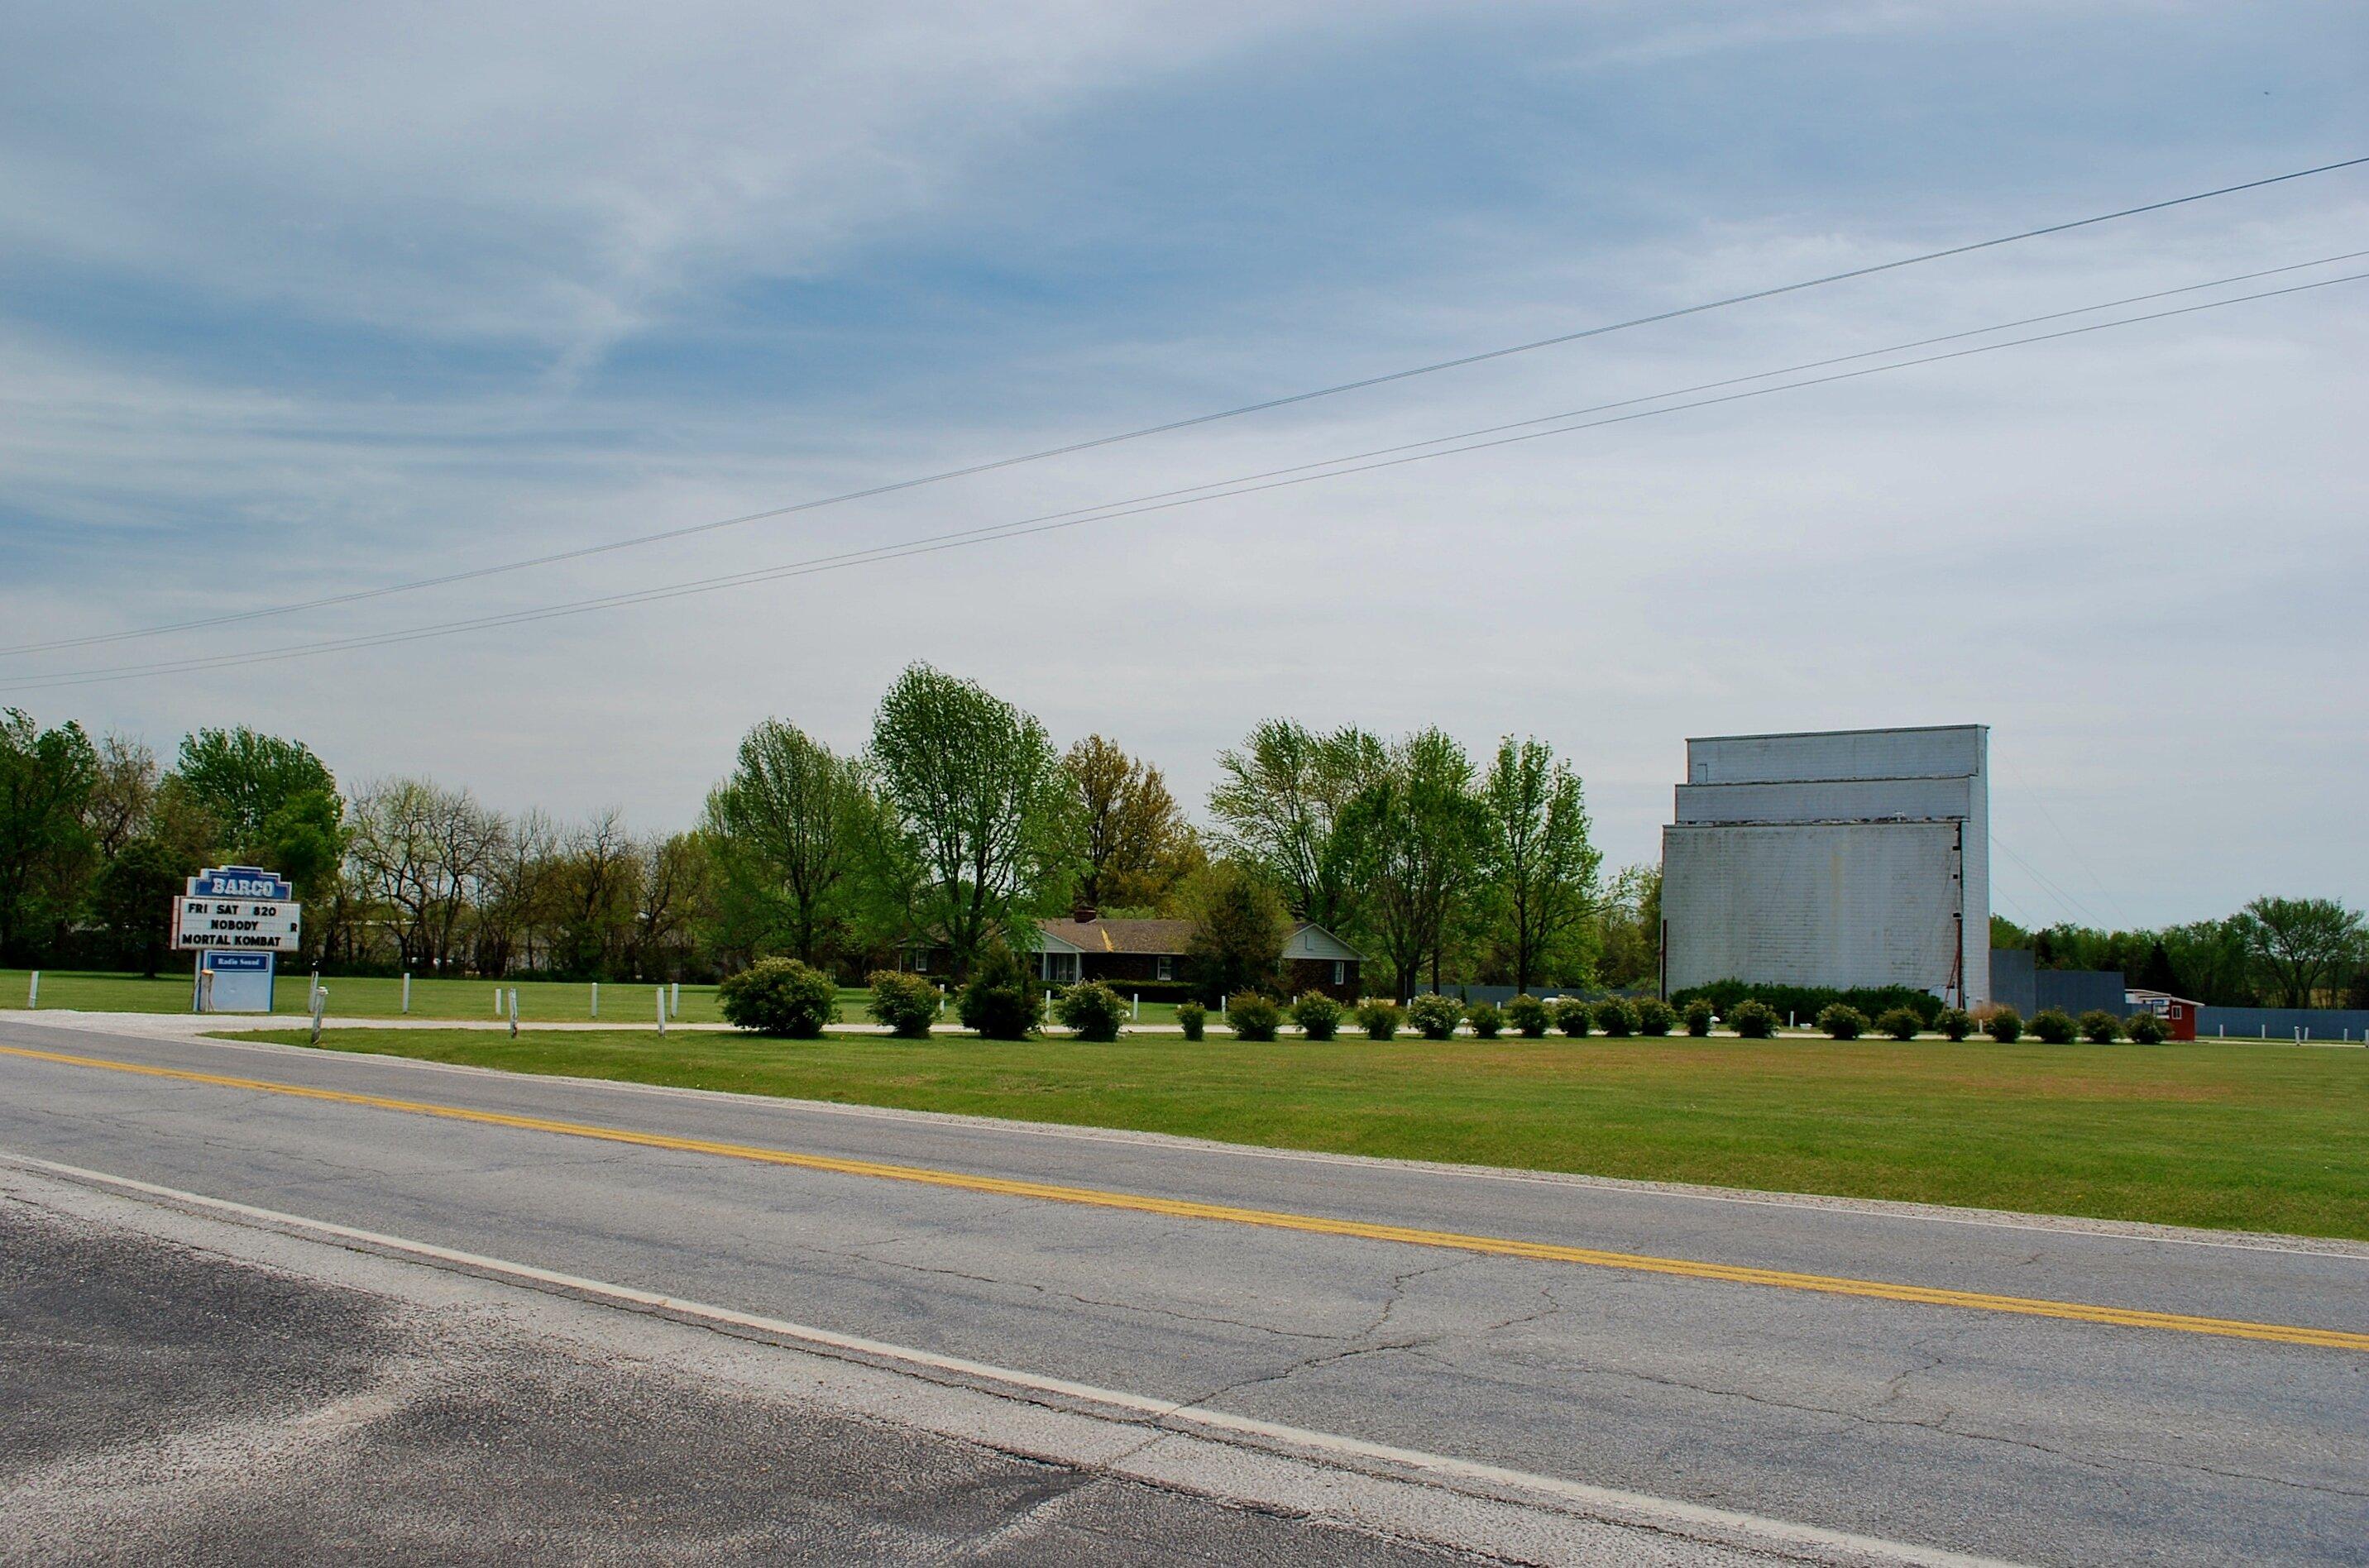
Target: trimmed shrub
<point>780,996</point>
<point>1435,1016</point>
<point>1808,1002</point>
<point>2052,1025</point>
<point>907,1003</point>
<point>1528,1014</point>
<point>1001,1002</point>
<point>1656,1016</point>
<point>1700,1018</point>
<point>1753,1019</point>
<point>1380,1018</point>
<point>1487,1021</point>
<point>1318,1015</point>
<point>1900,1024</point>
<point>1842,1023</point>
<point>2146,1029</point>
<point>2005,1024</point>
<point>1255,1016</point>
<point>1616,1018</point>
<point>2100,1025</point>
<point>1573,1017</point>
<point>1193,1018</point>
<point>1092,1009</point>
<point>1955,1022</point>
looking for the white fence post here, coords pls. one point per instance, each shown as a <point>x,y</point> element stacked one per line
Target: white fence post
<point>497,1002</point>
<point>674,1002</point>
<point>513,1012</point>
<point>1135,1005</point>
<point>661,1010</point>
<point>596,999</point>
<point>33,996</point>
<point>407,992</point>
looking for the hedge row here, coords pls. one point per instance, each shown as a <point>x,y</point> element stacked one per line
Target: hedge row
<point>1804,1003</point>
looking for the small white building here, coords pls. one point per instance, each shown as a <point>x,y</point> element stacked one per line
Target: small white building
<point>1836,858</point>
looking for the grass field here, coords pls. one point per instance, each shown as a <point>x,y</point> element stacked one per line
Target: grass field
<point>2232,1137</point>
<point>540,1002</point>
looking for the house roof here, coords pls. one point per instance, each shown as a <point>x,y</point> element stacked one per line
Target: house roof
<point>1167,938</point>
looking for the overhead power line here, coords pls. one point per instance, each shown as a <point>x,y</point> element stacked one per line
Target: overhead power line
<point>1239,411</point>
<point>1216,490</point>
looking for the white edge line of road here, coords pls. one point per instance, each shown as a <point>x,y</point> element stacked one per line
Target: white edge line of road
<point>1823,1203</point>
<point>1693,1521</point>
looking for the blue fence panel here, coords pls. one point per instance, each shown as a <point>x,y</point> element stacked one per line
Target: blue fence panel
<point>2282,1023</point>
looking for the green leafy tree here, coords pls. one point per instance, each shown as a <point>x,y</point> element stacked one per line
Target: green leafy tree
<point>46,854</point>
<point>2302,947</point>
<point>1135,846</point>
<point>244,778</point>
<point>1239,927</point>
<point>133,897</point>
<point>1279,800</point>
<point>305,841</point>
<point>1629,928</point>
<point>982,796</point>
<point>1536,855</point>
<point>790,830</point>
<point>1415,834</point>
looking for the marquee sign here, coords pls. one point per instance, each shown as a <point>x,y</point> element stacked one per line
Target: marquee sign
<point>240,906</point>
<point>242,882</point>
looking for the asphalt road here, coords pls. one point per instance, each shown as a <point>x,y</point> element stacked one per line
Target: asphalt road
<point>1998,1433</point>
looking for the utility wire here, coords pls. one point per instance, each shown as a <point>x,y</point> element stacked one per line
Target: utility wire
<point>1216,490</point>
<point>1239,411</point>
<point>2071,906</point>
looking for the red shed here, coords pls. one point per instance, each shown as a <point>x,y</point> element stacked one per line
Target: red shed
<point>2178,1013</point>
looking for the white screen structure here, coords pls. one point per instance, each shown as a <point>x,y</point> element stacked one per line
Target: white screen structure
<point>1858,858</point>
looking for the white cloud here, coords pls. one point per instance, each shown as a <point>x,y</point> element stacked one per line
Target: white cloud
<point>2127,553</point>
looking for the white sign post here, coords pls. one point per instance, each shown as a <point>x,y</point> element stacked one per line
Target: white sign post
<point>237,919</point>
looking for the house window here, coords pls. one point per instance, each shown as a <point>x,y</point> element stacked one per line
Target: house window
<point>1339,972</point>
<point>920,960</point>
<point>1166,968</point>
<point>1061,968</point>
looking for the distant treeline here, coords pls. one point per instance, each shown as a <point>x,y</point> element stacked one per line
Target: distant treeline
<point>956,825</point>
<point>2272,953</point>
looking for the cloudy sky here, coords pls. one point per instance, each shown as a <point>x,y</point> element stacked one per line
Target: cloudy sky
<point>297,301</point>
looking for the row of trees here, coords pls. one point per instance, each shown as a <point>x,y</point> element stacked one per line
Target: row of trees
<point>96,837</point>
<point>958,822</point>
<point>2274,952</point>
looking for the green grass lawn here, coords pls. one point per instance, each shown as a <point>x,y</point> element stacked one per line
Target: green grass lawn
<point>540,1002</point>
<point>2234,1137</point>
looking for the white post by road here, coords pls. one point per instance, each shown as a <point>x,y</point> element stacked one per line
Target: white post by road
<point>33,996</point>
<point>320,1005</point>
<point>406,991</point>
<point>513,1012</point>
<point>596,999</point>
<point>497,1002</point>
<point>674,1003</point>
<point>661,1010</point>
<point>313,988</point>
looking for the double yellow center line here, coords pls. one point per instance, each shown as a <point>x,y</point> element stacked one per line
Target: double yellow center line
<point>1273,1219</point>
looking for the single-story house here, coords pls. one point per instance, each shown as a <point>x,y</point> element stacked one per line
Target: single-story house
<point>1128,954</point>
<point>1121,952</point>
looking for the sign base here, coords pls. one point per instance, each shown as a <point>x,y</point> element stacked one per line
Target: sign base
<point>235,982</point>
